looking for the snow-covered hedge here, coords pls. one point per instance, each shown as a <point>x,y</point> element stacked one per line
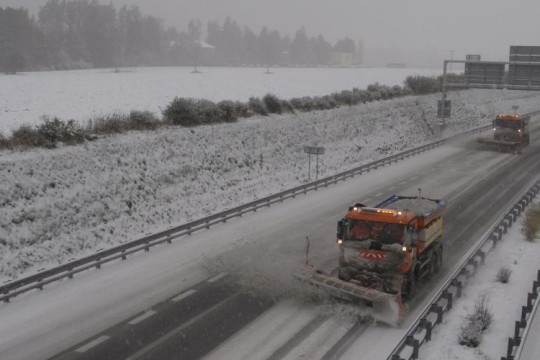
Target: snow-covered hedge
<point>477,322</point>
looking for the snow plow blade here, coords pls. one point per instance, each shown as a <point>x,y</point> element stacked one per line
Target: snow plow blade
<point>387,308</point>
<point>501,144</point>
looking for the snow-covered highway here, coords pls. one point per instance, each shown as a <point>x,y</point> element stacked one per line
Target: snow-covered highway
<point>261,250</point>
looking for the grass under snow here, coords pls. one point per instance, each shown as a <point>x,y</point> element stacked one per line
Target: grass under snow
<point>67,202</point>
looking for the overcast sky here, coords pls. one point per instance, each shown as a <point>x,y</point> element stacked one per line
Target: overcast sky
<point>428,28</point>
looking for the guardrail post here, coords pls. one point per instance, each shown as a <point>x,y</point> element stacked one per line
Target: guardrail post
<point>464,272</point>
<point>530,301</point>
<point>437,310</point>
<point>415,344</point>
<point>517,329</point>
<point>458,285</point>
<point>482,256</point>
<point>510,218</point>
<point>499,233</point>
<point>98,264</point>
<point>523,316</point>
<point>494,239</point>
<point>449,297</point>
<point>474,264</point>
<point>509,350</point>
<point>424,324</point>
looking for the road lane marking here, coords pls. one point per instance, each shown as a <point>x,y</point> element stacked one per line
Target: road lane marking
<point>178,330</point>
<point>379,194</point>
<point>217,277</point>
<point>92,343</point>
<point>143,317</point>
<point>184,295</point>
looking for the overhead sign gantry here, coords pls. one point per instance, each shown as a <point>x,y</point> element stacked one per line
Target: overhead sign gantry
<point>521,72</point>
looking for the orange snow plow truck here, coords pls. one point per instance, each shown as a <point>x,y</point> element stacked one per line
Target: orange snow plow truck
<point>510,133</point>
<point>384,252</point>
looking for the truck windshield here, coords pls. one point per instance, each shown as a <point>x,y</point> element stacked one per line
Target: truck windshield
<point>370,230</point>
<point>507,124</point>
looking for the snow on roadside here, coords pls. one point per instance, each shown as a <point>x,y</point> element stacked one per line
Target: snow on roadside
<point>504,301</point>
<point>68,202</point>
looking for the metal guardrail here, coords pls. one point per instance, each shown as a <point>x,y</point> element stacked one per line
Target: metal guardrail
<point>420,331</point>
<point>67,270</point>
<point>522,327</point>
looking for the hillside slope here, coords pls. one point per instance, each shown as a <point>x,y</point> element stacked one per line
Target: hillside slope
<point>67,202</point>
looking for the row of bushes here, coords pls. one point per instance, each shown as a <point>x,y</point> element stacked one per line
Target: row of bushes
<point>193,112</point>
<point>54,131</point>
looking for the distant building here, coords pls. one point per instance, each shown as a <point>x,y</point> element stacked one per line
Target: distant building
<point>206,48</point>
<point>342,59</point>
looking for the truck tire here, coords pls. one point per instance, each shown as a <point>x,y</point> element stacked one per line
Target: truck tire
<point>437,261</point>
<point>344,275</point>
<point>409,286</point>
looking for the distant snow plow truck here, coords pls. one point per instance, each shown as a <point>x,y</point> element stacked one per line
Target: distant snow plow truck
<point>385,251</point>
<point>510,133</point>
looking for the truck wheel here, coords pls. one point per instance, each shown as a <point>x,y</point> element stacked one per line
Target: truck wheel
<point>409,286</point>
<point>437,261</point>
<point>344,275</point>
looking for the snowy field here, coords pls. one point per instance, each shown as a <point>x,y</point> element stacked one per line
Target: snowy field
<point>83,94</point>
